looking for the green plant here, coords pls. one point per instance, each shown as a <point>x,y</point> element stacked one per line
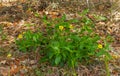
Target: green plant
<point>100,18</point>
<point>28,41</point>
<point>106,60</point>
<point>68,47</point>
<point>1,28</point>
<point>36,14</point>
<point>64,43</point>
<point>38,72</point>
<point>3,36</point>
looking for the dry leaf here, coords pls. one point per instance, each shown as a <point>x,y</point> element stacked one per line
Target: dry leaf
<point>3,62</point>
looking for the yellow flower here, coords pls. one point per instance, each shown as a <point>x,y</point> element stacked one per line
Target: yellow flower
<point>61,28</point>
<point>9,55</point>
<point>71,26</point>
<point>20,36</point>
<point>100,46</point>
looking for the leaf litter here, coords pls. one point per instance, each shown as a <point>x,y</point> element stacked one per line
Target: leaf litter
<point>20,64</point>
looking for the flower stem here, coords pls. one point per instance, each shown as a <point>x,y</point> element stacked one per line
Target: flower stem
<point>106,66</point>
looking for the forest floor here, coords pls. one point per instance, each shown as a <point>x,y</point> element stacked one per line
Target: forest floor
<point>15,18</point>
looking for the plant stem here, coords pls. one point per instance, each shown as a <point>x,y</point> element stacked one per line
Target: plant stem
<point>73,71</point>
<point>106,66</point>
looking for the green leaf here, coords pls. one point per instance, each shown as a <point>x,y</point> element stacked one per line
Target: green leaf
<point>51,54</point>
<point>63,17</point>
<point>102,18</point>
<point>37,14</point>
<point>34,38</point>
<point>84,12</point>
<point>29,25</point>
<point>73,21</point>
<point>58,59</point>
<point>101,52</point>
<point>43,59</point>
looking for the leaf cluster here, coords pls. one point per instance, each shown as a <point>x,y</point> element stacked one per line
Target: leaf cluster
<point>66,46</point>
